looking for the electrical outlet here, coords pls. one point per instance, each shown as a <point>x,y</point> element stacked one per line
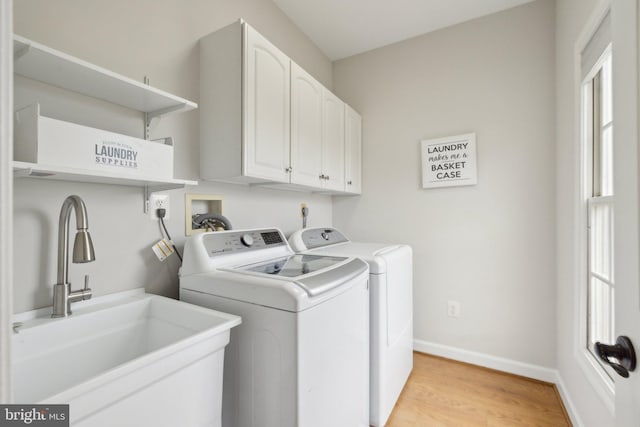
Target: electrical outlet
<point>453,309</point>
<point>157,201</point>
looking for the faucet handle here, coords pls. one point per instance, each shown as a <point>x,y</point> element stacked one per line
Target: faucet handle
<point>86,292</point>
<point>80,294</point>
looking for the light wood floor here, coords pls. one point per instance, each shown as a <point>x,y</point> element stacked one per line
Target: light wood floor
<point>442,392</point>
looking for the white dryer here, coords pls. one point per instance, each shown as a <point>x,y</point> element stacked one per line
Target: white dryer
<point>300,356</point>
<point>391,310</point>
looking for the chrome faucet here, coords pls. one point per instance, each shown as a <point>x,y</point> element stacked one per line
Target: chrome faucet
<point>83,252</point>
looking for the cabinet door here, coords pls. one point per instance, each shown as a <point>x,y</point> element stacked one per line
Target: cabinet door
<point>306,128</point>
<point>353,151</point>
<point>332,142</point>
<point>266,75</point>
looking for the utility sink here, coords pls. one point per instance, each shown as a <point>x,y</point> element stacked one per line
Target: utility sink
<point>124,359</point>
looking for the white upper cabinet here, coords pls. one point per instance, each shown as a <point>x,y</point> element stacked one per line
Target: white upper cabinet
<point>267,109</point>
<point>353,151</point>
<point>264,120</point>
<point>245,94</point>
<point>332,142</point>
<point>306,128</point>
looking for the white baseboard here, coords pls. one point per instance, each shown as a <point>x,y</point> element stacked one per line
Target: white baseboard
<point>568,403</point>
<point>505,365</point>
<point>488,361</point>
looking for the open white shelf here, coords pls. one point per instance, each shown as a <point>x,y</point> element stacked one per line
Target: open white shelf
<point>32,170</point>
<point>150,185</point>
<point>56,68</point>
<point>50,66</point>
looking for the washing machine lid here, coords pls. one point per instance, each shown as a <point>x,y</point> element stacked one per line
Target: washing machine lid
<point>285,293</point>
<point>293,266</point>
<point>315,274</point>
<point>328,241</point>
<point>372,253</point>
<point>242,265</point>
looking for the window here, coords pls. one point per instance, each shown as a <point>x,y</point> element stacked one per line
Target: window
<point>598,139</point>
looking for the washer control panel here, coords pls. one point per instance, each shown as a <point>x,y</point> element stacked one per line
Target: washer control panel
<point>319,237</point>
<point>246,240</point>
<point>223,243</point>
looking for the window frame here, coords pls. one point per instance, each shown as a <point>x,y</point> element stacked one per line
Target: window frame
<point>602,381</point>
<point>592,141</point>
<point>577,273</point>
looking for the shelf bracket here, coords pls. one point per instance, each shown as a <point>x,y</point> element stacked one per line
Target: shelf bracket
<point>146,199</point>
<point>147,126</point>
<point>148,117</point>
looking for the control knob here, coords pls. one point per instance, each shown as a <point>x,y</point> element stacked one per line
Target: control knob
<point>246,240</point>
<point>326,234</point>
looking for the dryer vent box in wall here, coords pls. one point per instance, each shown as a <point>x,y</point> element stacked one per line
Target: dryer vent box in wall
<point>52,142</point>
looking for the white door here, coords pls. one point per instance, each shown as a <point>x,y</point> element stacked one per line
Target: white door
<point>353,151</point>
<point>624,15</point>
<point>306,128</point>
<point>332,142</point>
<point>266,109</point>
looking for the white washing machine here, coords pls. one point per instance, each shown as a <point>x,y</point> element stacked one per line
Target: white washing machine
<point>391,309</point>
<point>300,358</point>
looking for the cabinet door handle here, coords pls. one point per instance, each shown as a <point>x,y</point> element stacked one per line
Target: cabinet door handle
<point>349,183</point>
<point>322,176</point>
<point>289,169</point>
<point>327,177</point>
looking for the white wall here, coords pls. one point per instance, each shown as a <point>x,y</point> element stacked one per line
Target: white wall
<point>572,17</point>
<point>157,39</point>
<point>489,246</point>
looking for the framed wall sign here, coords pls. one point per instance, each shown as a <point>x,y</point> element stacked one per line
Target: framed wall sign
<point>449,162</point>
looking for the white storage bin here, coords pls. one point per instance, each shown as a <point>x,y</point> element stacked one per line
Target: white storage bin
<point>47,141</point>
